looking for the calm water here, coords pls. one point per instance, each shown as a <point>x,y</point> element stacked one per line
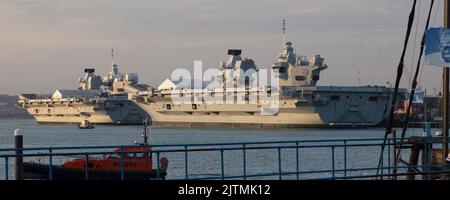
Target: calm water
<point>206,163</point>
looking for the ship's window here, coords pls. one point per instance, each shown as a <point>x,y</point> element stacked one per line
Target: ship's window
<point>139,155</point>
<point>334,97</point>
<point>212,94</point>
<point>300,78</point>
<point>194,106</point>
<point>135,155</point>
<point>168,106</point>
<point>282,70</point>
<point>181,94</point>
<point>275,69</point>
<point>37,110</point>
<point>48,110</point>
<point>373,98</point>
<point>315,78</point>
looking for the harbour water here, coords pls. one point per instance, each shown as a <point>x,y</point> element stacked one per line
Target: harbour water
<point>70,135</point>
<point>200,164</point>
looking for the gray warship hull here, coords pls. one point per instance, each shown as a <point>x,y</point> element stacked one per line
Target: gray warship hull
<point>316,106</point>
<point>122,112</point>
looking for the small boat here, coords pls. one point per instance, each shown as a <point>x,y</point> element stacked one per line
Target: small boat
<point>137,165</point>
<point>131,163</point>
<point>85,125</point>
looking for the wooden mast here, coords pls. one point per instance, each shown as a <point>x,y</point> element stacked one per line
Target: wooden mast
<point>446,87</point>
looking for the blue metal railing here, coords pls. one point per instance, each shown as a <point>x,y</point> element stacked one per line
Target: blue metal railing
<point>281,153</point>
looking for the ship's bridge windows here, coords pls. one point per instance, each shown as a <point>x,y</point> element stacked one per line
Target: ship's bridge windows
<point>300,78</point>
<point>373,98</point>
<point>138,155</point>
<point>335,97</point>
<point>112,155</point>
<point>134,155</point>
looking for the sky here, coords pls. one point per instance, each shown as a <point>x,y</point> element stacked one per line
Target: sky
<point>46,44</point>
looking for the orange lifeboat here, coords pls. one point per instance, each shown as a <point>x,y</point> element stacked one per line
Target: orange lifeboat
<point>127,163</point>
<point>136,163</point>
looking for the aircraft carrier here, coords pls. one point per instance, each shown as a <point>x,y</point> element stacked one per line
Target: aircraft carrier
<point>97,100</point>
<point>300,102</point>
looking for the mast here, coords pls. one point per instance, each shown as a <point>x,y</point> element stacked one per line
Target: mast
<point>446,86</point>
<point>145,133</point>
<point>114,69</point>
<point>284,33</point>
<point>112,56</point>
<point>425,105</point>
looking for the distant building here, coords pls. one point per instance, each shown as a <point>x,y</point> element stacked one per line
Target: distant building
<point>426,110</point>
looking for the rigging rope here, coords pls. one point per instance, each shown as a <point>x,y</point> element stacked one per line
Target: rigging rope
<point>433,23</point>
<point>414,49</point>
<point>413,88</point>
<point>376,65</point>
<point>397,81</point>
<point>414,44</point>
<point>436,13</point>
<point>414,82</point>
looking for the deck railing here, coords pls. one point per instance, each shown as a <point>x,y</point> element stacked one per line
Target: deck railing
<point>300,159</point>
